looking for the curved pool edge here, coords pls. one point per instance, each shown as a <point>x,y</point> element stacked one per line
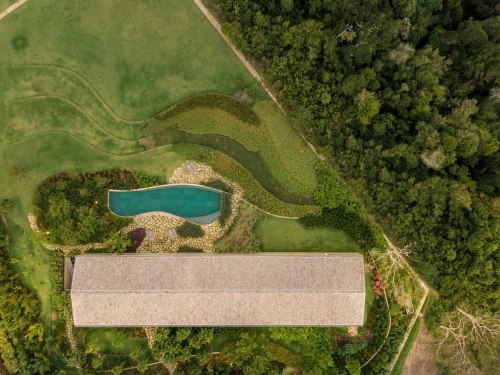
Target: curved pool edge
<point>213,216</point>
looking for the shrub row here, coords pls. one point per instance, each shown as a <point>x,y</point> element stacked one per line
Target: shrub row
<point>189,249</point>
<point>251,160</point>
<point>21,333</point>
<point>253,191</point>
<point>188,229</point>
<point>235,107</point>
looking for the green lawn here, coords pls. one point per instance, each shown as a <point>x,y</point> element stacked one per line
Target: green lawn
<point>112,341</point>
<point>277,234</point>
<point>79,82</point>
<point>140,56</point>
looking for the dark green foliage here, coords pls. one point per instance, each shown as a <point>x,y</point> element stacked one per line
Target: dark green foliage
<point>189,249</point>
<point>225,211</point>
<point>342,211</point>
<point>19,42</point>
<point>219,185</point>
<point>188,229</point>
<point>235,107</point>
<point>6,204</point>
<point>21,333</point>
<point>357,225</point>
<point>253,161</point>
<point>145,179</point>
<point>73,208</point>
<point>405,96</point>
<point>241,237</point>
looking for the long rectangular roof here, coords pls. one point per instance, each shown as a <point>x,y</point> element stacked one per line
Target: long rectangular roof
<point>265,289</point>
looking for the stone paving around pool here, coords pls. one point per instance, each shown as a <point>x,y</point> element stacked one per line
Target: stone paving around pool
<point>161,223</point>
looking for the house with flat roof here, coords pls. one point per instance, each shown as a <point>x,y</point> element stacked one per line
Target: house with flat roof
<point>202,289</point>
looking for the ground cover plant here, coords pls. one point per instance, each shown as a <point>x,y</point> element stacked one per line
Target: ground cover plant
<point>190,230</point>
<point>235,107</point>
<point>254,192</point>
<point>272,150</point>
<point>240,237</point>
<point>226,206</point>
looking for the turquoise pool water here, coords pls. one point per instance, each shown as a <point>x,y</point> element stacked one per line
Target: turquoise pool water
<point>194,203</point>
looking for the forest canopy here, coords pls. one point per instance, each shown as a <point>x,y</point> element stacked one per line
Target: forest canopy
<point>405,97</point>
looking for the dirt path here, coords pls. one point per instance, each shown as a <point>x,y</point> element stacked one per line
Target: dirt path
<point>240,56</point>
<point>417,311</point>
<point>421,360</point>
<point>12,8</point>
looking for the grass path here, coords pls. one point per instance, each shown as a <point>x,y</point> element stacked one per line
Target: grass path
<point>75,106</point>
<point>86,84</point>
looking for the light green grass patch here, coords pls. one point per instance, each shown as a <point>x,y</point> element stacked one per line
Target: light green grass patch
<point>114,342</point>
<point>398,367</point>
<point>276,234</point>
<point>37,116</point>
<point>141,56</point>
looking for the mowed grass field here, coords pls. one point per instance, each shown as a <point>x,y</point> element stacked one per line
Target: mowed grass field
<point>277,234</point>
<point>141,56</point>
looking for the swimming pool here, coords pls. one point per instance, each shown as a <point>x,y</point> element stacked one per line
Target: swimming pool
<point>195,203</point>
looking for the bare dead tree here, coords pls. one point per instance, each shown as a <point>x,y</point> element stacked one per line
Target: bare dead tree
<point>463,334</point>
<point>391,260</point>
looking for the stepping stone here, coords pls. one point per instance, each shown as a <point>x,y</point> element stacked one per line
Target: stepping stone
<point>171,234</point>
<point>150,236</point>
<point>190,168</point>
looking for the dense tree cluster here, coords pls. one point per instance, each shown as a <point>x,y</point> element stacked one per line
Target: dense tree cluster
<point>73,208</point>
<point>21,334</point>
<point>405,95</point>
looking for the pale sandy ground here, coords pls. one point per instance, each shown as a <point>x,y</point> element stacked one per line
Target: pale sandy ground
<point>12,8</point>
<point>421,359</point>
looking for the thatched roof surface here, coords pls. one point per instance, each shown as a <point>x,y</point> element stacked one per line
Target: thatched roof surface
<point>218,289</point>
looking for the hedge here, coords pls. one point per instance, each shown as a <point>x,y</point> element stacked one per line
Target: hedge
<point>188,229</point>
<point>235,107</point>
<point>189,249</point>
<point>251,160</point>
<point>253,191</point>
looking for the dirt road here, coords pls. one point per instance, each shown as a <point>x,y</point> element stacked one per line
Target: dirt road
<point>12,8</point>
